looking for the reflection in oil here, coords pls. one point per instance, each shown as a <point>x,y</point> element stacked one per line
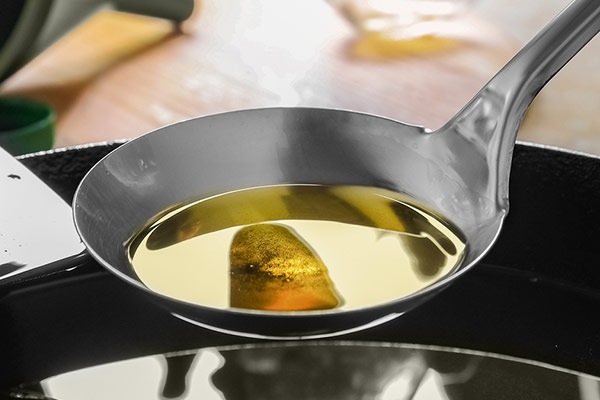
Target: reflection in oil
<point>271,269</point>
<point>327,370</point>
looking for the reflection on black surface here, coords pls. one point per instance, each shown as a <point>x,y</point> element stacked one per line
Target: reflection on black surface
<point>326,370</point>
<point>177,370</point>
<point>314,372</point>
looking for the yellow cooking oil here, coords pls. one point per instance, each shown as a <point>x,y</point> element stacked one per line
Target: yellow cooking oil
<point>295,248</point>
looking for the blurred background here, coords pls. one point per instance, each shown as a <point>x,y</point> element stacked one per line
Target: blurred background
<point>119,75</point>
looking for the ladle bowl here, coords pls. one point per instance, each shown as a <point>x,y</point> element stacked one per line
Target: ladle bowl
<point>251,148</point>
<point>460,171</point>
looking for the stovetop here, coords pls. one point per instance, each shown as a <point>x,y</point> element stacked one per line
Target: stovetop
<point>535,296</point>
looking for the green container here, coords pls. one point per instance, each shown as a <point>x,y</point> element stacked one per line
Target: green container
<point>26,125</point>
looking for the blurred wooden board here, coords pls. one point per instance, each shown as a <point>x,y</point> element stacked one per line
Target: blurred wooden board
<point>119,76</point>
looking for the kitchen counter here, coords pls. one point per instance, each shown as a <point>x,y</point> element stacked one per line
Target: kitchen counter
<point>119,75</point>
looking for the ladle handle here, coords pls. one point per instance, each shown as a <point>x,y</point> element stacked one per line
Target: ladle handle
<point>494,116</point>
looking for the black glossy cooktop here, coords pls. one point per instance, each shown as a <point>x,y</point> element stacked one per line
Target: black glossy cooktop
<point>535,296</point>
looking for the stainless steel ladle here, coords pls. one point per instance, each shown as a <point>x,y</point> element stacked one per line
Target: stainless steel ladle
<point>460,170</point>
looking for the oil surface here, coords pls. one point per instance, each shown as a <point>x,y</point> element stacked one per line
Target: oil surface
<point>296,247</point>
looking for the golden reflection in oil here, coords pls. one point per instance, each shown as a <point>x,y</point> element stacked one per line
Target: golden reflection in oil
<point>296,247</point>
<point>271,269</point>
